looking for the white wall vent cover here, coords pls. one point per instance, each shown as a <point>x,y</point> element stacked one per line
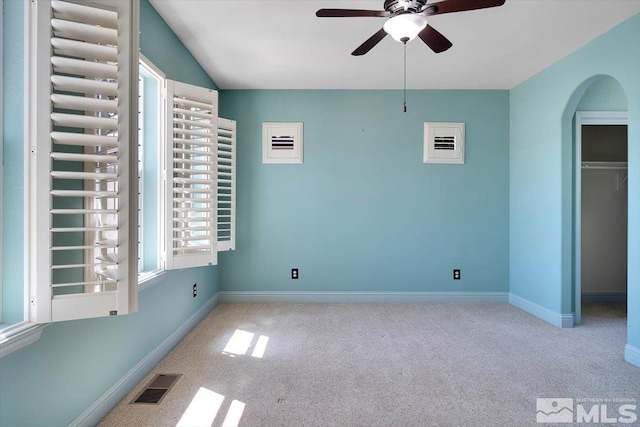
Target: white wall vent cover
<point>282,142</point>
<point>444,143</point>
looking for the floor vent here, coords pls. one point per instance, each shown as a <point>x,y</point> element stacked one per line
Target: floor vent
<point>157,389</point>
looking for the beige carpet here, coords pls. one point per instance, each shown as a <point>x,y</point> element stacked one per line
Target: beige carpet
<point>384,365</point>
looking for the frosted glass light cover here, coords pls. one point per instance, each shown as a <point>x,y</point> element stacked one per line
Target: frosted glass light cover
<point>407,25</point>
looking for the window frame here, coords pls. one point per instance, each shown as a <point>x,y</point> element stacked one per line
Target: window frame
<point>141,162</point>
<point>1,146</point>
<point>20,334</point>
<point>148,278</point>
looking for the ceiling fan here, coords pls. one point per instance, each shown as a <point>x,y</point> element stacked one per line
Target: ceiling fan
<point>408,20</point>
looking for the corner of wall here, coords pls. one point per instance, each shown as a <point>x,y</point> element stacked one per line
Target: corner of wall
<point>556,319</point>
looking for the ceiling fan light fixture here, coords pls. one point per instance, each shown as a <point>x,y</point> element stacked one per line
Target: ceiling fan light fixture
<point>405,27</point>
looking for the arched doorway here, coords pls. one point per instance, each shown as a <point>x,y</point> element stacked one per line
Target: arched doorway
<point>599,194</point>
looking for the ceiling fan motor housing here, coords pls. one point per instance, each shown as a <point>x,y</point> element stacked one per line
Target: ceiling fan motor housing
<point>398,6</point>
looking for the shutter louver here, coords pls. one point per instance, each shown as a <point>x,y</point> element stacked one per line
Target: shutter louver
<point>83,156</point>
<point>191,176</point>
<point>226,185</point>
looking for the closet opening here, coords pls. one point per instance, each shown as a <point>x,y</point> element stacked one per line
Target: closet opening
<point>601,290</point>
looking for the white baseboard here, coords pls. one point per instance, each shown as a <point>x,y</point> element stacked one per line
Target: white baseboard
<point>556,319</point>
<point>632,355</point>
<point>105,403</point>
<point>375,297</point>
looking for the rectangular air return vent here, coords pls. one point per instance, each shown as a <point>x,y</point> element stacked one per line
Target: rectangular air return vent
<point>282,142</point>
<point>444,143</point>
<point>157,389</point>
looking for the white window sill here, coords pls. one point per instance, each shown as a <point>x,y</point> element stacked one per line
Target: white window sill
<point>149,278</point>
<point>20,335</point>
<point>15,337</point>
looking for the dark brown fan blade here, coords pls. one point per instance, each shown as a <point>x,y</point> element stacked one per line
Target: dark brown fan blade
<point>448,6</point>
<point>434,39</point>
<point>370,43</point>
<point>350,13</point>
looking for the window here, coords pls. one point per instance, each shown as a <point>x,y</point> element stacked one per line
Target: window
<point>1,153</point>
<point>196,218</point>
<point>105,164</point>
<point>150,143</point>
<point>82,191</point>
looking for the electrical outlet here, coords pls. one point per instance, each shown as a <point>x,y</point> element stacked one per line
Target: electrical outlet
<point>195,290</point>
<point>294,273</point>
<point>456,274</point>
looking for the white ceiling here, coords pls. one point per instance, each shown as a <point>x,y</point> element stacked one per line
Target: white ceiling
<point>281,44</point>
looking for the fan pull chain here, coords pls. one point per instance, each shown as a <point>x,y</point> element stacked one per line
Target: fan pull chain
<point>404,104</point>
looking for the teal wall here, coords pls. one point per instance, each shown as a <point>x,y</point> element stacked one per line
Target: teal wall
<point>51,382</point>
<point>605,94</point>
<point>166,51</point>
<point>363,213</point>
<point>541,168</point>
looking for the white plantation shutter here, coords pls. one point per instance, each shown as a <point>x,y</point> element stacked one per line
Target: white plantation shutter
<point>226,184</point>
<point>82,168</point>
<point>191,176</point>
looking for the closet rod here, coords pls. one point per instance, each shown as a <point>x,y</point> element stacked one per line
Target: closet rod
<point>608,166</point>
